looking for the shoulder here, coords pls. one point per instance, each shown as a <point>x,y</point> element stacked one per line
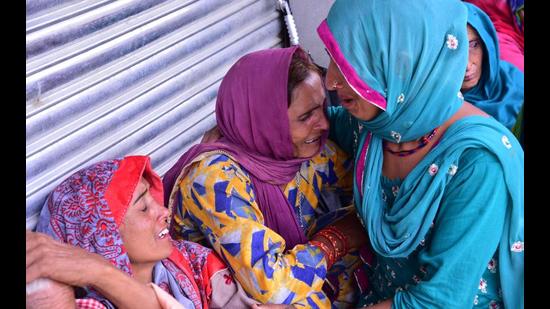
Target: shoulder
<point>478,156</point>
<point>219,166</point>
<point>478,173</point>
<point>189,248</point>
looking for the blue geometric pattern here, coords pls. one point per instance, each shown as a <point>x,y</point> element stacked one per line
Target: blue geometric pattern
<point>219,195</point>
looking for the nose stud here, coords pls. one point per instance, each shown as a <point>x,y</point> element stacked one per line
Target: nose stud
<point>336,84</point>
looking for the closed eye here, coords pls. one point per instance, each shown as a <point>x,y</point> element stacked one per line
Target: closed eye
<point>305,116</point>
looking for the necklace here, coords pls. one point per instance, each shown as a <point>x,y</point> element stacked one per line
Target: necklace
<point>424,140</point>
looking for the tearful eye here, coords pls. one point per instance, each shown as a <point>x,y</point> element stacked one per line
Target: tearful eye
<point>304,117</point>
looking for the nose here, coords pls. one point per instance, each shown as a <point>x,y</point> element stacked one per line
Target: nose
<point>333,78</point>
<point>322,123</point>
<point>469,67</point>
<point>163,212</point>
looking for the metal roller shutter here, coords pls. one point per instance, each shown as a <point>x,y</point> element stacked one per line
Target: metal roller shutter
<point>105,79</point>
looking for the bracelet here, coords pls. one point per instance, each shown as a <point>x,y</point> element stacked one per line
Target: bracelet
<point>334,240</point>
<point>340,235</point>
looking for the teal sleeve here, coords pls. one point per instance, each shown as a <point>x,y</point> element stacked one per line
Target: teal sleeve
<point>465,236</point>
<point>343,128</point>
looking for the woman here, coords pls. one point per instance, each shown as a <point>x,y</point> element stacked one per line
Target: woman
<point>254,195</point>
<point>507,18</point>
<point>493,85</point>
<point>111,238</point>
<point>439,183</point>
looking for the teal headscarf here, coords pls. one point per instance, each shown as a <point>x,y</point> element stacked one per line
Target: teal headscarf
<point>409,59</point>
<point>500,89</point>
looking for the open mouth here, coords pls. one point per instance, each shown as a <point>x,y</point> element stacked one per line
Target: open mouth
<point>163,233</point>
<point>347,103</point>
<point>312,140</point>
<point>346,99</point>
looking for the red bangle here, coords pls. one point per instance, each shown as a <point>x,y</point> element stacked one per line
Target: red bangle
<point>334,240</point>
<point>341,236</point>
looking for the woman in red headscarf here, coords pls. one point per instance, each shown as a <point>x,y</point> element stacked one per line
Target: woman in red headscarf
<point>110,238</point>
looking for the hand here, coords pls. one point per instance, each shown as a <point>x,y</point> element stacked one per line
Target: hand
<point>49,294</point>
<point>211,135</point>
<point>48,258</point>
<point>353,230</point>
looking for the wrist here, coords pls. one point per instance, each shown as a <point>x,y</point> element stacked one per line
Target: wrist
<point>102,274</point>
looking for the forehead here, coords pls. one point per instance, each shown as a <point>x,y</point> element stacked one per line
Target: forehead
<point>472,33</point>
<point>311,88</point>
<point>141,185</point>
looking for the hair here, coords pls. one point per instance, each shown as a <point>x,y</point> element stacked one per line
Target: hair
<point>300,68</point>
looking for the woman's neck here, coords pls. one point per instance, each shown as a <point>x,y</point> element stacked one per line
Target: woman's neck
<point>143,272</point>
<point>399,167</point>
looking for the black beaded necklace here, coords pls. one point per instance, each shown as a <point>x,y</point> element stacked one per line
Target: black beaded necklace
<point>424,140</point>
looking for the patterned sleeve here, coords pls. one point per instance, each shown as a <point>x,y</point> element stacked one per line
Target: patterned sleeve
<point>219,199</point>
<point>335,168</point>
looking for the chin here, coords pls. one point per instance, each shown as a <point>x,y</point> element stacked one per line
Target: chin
<point>310,152</point>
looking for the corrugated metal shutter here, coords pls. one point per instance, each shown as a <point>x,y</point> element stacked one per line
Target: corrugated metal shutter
<point>110,78</point>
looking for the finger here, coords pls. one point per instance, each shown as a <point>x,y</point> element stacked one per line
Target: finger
<point>44,255</point>
<point>38,244</point>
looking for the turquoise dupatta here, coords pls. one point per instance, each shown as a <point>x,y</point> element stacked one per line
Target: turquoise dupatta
<point>409,59</point>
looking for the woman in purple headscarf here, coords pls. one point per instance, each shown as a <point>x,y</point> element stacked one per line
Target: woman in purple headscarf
<point>254,195</point>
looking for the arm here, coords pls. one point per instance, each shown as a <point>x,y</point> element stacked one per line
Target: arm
<point>226,212</point>
<point>466,234</point>
<point>48,258</point>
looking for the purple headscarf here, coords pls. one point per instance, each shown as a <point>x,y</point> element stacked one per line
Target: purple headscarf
<point>251,112</point>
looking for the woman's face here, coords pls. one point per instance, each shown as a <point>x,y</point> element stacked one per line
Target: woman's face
<point>306,116</point>
<point>475,60</point>
<point>144,230</point>
<point>349,99</point>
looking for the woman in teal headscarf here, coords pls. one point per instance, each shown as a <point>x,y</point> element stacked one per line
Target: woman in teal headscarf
<point>491,84</point>
<point>438,183</point>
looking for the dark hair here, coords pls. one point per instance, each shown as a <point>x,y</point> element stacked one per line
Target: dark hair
<point>300,68</point>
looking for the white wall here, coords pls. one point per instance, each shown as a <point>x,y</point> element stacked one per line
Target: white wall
<point>308,14</point>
